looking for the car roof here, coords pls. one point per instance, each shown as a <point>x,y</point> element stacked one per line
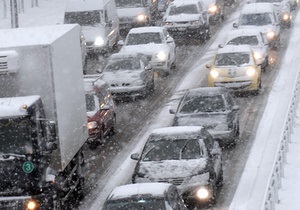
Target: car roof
<point>177,130</point>
<point>135,190</point>
<point>146,29</point>
<point>90,81</point>
<point>257,8</point>
<point>243,32</point>
<point>183,2</point>
<point>235,48</point>
<point>206,91</point>
<point>83,5</point>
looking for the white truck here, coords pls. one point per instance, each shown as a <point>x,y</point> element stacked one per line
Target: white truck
<point>42,117</point>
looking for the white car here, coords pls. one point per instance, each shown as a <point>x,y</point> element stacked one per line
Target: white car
<point>185,20</point>
<point>262,16</point>
<point>156,43</point>
<point>255,39</point>
<point>129,75</point>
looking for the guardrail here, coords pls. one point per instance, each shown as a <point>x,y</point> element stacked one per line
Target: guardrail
<point>261,179</point>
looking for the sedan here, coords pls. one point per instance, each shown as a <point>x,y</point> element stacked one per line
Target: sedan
<point>213,108</point>
<point>156,43</point>
<point>129,75</point>
<point>148,196</point>
<point>186,156</point>
<point>235,68</point>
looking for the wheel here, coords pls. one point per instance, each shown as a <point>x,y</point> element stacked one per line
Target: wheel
<point>220,180</point>
<point>113,128</point>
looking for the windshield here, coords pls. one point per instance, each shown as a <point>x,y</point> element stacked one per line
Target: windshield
<point>250,40</point>
<point>90,102</point>
<point>129,3</point>
<point>134,203</point>
<point>256,19</point>
<point>200,104</point>
<point>144,38</point>
<point>170,149</point>
<point>87,18</point>
<point>15,136</point>
<point>232,59</point>
<point>184,9</point>
<point>121,65</point>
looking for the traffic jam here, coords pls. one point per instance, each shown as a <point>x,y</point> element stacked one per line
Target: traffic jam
<point>135,58</point>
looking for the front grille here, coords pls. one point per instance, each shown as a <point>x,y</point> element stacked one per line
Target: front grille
<point>120,85</point>
<point>3,65</point>
<point>174,181</point>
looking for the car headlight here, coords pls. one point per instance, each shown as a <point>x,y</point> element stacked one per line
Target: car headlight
<point>32,204</point>
<point>257,55</point>
<point>99,41</point>
<point>286,17</point>
<point>141,18</point>
<point>137,82</point>
<point>204,193</point>
<point>250,72</point>
<point>212,9</point>
<point>214,73</point>
<point>194,22</point>
<point>270,35</point>
<point>162,56</point>
<point>92,125</point>
<point>222,127</point>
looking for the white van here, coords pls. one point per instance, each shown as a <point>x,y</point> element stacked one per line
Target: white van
<point>99,21</point>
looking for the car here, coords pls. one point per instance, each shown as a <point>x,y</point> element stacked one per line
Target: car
<point>215,10</point>
<point>255,39</point>
<point>235,68</point>
<point>101,110</point>
<point>283,8</point>
<point>213,108</point>
<point>186,156</point>
<point>156,43</point>
<point>129,75</point>
<point>187,19</point>
<point>148,196</point>
<point>264,17</point>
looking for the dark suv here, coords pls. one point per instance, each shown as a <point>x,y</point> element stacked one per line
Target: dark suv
<point>101,111</point>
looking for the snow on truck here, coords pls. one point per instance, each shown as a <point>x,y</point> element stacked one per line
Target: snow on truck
<point>42,117</point>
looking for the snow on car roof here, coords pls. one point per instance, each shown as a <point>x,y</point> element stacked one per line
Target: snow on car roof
<point>83,5</point>
<point>257,8</point>
<point>205,91</point>
<point>39,35</point>
<point>176,130</point>
<point>243,32</point>
<point>146,29</point>
<point>129,190</point>
<point>234,48</point>
<point>13,106</point>
<point>184,2</point>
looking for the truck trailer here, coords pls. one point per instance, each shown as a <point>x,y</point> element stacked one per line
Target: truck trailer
<point>43,121</point>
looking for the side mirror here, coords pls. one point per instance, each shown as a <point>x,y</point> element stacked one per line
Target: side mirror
<point>171,111</point>
<point>208,66</point>
<point>121,42</point>
<point>235,25</point>
<point>135,156</point>
<point>170,40</point>
<point>220,46</point>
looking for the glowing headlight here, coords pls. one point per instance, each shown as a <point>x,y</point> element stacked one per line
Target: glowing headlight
<point>31,205</point>
<point>213,8</point>
<point>162,56</point>
<point>214,73</point>
<point>99,41</point>
<point>286,17</point>
<point>271,35</point>
<point>250,72</point>
<point>203,193</point>
<point>92,125</point>
<point>257,55</point>
<point>141,18</point>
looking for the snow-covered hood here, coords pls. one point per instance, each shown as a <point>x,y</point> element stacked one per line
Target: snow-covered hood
<point>201,119</point>
<point>182,18</point>
<point>131,12</point>
<point>121,77</point>
<point>263,29</point>
<point>147,49</point>
<point>91,33</point>
<point>172,168</point>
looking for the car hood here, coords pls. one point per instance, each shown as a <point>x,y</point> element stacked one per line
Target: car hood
<point>126,76</point>
<point>182,18</point>
<point>201,119</point>
<point>91,33</point>
<point>173,168</point>
<point>147,49</point>
<point>131,12</point>
<point>262,29</point>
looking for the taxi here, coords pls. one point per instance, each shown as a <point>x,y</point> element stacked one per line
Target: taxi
<point>234,67</point>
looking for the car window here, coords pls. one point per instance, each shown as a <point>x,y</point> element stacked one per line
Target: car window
<point>250,40</point>
<point>90,102</point>
<point>129,3</point>
<point>184,9</point>
<point>198,104</point>
<point>85,18</point>
<point>232,59</point>
<point>144,38</point>
<point>257,19</point>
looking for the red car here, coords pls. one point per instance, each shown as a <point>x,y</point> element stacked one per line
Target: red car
<point>100,109</point>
